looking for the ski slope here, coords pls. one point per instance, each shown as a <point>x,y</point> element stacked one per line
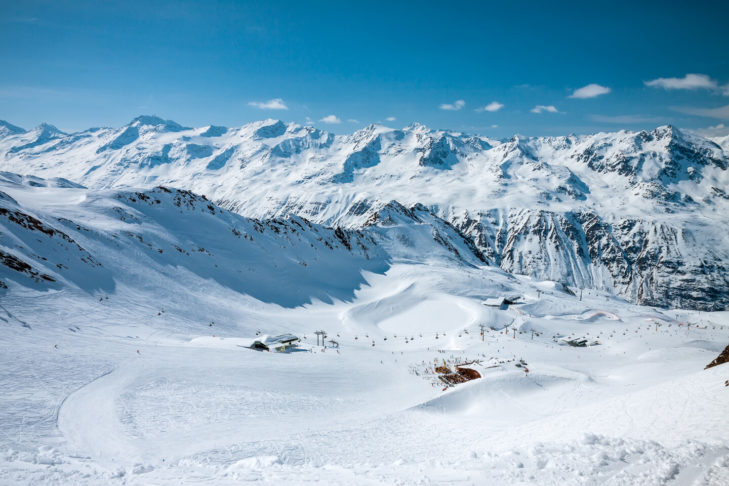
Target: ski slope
<point>112,393</point>
<point>142,375</point>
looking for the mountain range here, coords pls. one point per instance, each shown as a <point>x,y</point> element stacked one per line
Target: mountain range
<point>640,214</point>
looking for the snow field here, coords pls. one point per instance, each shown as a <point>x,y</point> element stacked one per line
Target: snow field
<point>140,374</point>
<point>193,408</point>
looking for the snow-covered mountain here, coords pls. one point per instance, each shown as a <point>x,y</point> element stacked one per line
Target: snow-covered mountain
<point>66,236</point>
<point>128,316</point>
<point>640,214</point>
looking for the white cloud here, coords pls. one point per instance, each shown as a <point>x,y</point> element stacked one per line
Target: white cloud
<point>544,109</point>
<point>274,104</point>
<point>590,91</point>
<point>390,119</point>
<point>492,107</point>
<point>352,120</point>
<point>455,106</point>
<point>331,119</point>
<point>721,113</point>
<point>719,130</point>
<point>690,81</point>
<point>494,126</point>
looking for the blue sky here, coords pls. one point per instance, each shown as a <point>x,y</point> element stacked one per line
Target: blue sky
<point>483,67</point>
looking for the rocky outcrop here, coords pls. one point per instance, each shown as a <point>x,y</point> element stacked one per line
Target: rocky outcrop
<point>647,262</point>
<point>721,359</point>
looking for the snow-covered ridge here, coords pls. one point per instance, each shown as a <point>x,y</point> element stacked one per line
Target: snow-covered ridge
<point>642,214</point>
<point>55,235</point>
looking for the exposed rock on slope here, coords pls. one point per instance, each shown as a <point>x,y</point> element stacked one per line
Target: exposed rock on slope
<point>721,359</point>
<point>105,237</point>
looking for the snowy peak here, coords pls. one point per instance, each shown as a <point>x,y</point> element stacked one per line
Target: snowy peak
<point>443,150</point>
<point>299,141</point>
<point>47,130</point>
<point>439,152</point>
<point>143,126</point>
<point>666,132</point>
<point>516,149</point>
<point>7,129</point>
<point>39,136</point>
<point>213,131</point>
<point>156,123</point>
<point>390,214</point>
<point>272,130</point>
<point>664,155</point>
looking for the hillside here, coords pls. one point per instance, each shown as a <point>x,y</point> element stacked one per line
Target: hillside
<point>639,214</point>
<point>127,317</point>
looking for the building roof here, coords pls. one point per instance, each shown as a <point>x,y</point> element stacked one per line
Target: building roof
<point>493,301</point>
<point>502,300</point>
<point>282,339</point>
